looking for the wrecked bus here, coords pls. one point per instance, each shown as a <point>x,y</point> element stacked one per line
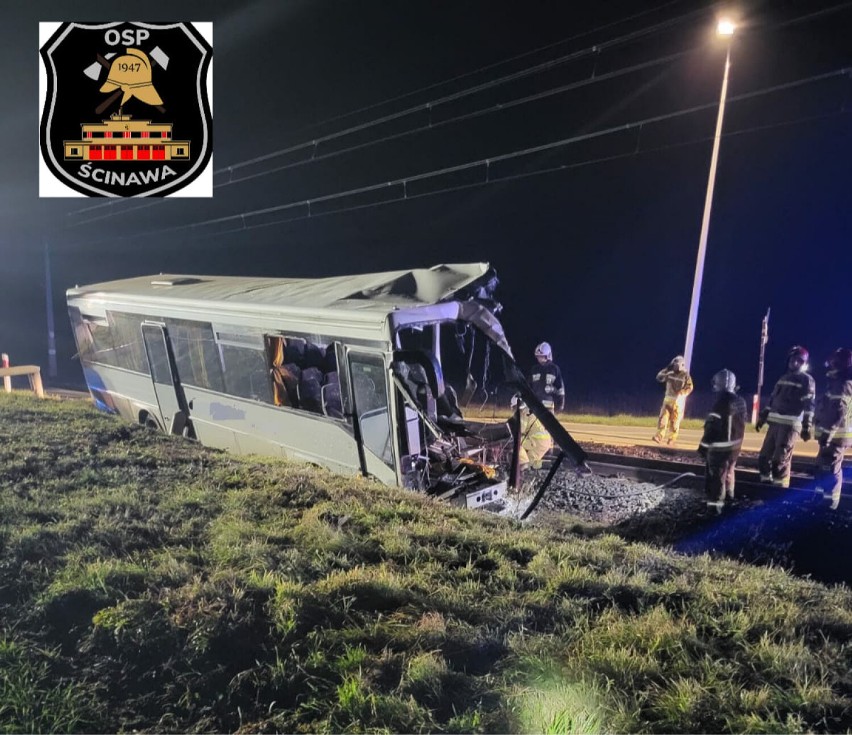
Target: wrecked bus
<point>345,372</point>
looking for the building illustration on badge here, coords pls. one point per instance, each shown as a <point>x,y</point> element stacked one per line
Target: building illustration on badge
<point>116,94</point>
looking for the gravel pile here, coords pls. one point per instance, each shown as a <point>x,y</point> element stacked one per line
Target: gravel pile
<point>602,499</point>
<point>607,500</point>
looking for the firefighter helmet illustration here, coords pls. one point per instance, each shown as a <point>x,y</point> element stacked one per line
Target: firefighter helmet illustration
<point>132,74</point>
<point>126,110</point>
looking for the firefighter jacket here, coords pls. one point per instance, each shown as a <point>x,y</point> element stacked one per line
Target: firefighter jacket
<point>535,440</point>
<point>724,426</point>
<point>792,401</point>
<point>834,411</point>
<point>546,383</point>
<point>678,385</point>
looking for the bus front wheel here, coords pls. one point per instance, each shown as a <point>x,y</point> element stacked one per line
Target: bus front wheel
<point>149,422</point>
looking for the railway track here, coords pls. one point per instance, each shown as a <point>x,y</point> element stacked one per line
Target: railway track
<point>691,475</point>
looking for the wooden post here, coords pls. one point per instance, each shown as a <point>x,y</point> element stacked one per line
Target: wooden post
<point>36,384</point>
<point>7,381</point>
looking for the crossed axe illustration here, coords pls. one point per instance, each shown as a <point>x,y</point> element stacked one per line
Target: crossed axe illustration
<point>157,56</point>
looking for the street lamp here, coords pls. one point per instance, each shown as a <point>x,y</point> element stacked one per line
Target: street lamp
<point>725,29</point>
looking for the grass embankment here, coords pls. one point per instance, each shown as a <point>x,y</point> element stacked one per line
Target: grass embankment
<point>149,584</point>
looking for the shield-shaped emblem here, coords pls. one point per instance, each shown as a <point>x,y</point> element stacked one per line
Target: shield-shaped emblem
<point>126,112</point>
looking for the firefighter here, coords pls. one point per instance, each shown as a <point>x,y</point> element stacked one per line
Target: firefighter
<point>722,440</point>
<point>790,413</point>
<point>535,440</point>
<point>678,386</point>
<point>834,424</point>
<point>546,379</point>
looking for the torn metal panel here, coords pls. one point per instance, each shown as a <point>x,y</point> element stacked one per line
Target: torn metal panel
<point>386,290</point>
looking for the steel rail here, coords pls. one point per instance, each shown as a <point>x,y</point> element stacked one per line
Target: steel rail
<point>691,475</point>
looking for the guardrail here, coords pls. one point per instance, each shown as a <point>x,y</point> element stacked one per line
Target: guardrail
<point>33,372</point>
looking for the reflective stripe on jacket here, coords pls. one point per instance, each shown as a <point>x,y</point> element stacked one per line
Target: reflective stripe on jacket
<point>546,382</point>
<point>678,385</point>
<point>792,400</point>
<point>724,426</point>
<point>834,413</point>
<point>531,428</point>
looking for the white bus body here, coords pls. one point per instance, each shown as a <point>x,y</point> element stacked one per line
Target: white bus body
<point>341,372</point>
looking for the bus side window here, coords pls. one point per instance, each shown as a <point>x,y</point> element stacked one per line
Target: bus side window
<point>196,354</point>
<point>127,337</point>
<point>304,374</point>
<point>371,404</point>
<point>246,375</point>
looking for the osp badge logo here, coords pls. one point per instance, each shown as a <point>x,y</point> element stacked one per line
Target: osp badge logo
<point>126,110</point>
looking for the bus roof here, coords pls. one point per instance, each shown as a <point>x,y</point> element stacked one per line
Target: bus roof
<point>376,292</point>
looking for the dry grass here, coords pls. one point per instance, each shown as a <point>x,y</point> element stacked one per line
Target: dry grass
<point>149,584</point>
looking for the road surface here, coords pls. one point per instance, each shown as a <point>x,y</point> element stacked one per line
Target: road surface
<point>687,440</point>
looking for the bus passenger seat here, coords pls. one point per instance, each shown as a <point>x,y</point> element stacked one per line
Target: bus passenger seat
<point>330,362</point>
<point>291,374</point>
<point>419,384</point>
<point>310,395</point>
<point>331,402</point>
<point>294,350</point>
<point>314,356</point>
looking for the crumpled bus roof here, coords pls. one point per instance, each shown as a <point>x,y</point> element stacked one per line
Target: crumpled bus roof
<point>387,290</point>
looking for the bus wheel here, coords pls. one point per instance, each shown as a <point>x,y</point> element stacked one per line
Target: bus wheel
<point>151,423</point>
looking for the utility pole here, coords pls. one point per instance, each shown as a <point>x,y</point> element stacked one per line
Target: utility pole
<point>764,338</point>
<point>725,29</point>
<point>51,335</point>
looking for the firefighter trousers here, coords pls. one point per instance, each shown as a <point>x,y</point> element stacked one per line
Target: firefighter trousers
<point>670,416</point>
<point>829,471</point>
<point>719,474</point>
<point>776,454</point>
<point>535,442</point>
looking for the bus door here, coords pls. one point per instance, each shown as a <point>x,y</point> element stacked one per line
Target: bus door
<point>173,412</point>
<point>368,384</point>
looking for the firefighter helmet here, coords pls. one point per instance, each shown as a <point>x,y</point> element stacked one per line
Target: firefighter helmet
<point>724,381</point>
<point>132,74</point>
<point>840,360</point>
<point>543,350</point>
<point>678,362</point>
<point>800,352</point>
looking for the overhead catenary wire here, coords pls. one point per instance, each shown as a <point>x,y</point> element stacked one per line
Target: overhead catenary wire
<point>503,62</point>
<point>502,179</point>
<point>432,104</point>
<point>460,187</point>
<point>310,204</point>
<point>148,202</point>
<point>814,14</point>
<point>430,126</point>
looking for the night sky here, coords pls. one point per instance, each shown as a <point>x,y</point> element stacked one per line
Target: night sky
<point>594,241</point>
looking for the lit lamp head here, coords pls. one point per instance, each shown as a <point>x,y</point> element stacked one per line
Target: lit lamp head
<point>726,27</point>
